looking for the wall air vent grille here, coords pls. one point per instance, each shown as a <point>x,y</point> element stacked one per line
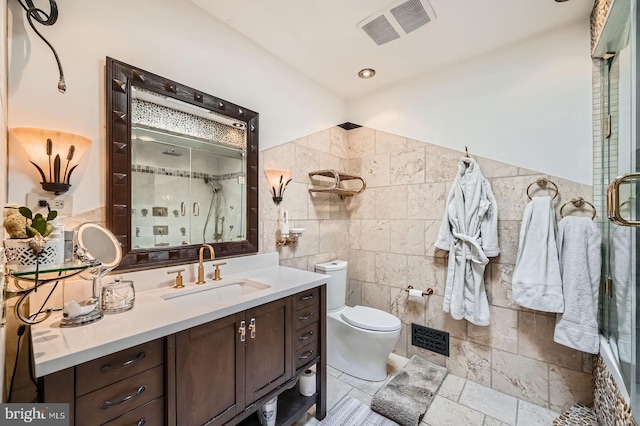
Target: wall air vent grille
<point>410,15</point>
<point>397,20</point>
<point>380,30</point>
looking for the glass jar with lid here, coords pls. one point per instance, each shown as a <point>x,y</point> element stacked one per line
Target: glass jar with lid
<point>117,296</point>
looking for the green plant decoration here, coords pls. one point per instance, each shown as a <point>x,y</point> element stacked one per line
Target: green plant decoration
<point>39,225</point>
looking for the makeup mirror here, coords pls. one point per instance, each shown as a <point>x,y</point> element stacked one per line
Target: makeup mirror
<point>97,247</point>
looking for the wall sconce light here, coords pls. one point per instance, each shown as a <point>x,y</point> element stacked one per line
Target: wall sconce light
<point>55,154</point>
<point>278,181</point>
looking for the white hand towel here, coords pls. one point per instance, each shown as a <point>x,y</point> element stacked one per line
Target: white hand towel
<point>621,270</point>
<point>580,260</point>
<point>536,282</point>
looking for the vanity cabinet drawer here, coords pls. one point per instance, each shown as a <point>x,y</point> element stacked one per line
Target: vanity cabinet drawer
<point>305,336</point>
<point>306,354</point>
<point>109,369</point>
<point>305,316</point>
<point>151,413</point>
<point>306,298</point>
<point>105,404</point>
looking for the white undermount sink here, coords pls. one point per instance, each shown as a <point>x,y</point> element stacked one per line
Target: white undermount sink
<point>213,292</point>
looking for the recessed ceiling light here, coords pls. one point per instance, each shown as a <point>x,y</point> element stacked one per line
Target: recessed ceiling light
<point>561,1</point>
<point>366,73</point>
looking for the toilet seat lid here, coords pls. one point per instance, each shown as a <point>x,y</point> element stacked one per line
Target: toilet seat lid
<point>371,319</point>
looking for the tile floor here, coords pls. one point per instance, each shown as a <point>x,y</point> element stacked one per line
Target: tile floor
<point>459,402</point>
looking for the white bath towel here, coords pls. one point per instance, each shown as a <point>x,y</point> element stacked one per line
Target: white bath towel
<point>536,282</point>
<point>469,232</point>
<point>621,270</point>
<point>579,243</point>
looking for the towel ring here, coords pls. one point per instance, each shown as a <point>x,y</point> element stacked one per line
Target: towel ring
<point>577,203</point>
<point>542,183</point>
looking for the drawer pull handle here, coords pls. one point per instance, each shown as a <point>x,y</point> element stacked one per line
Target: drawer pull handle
<point>252,328</point>
<point>306,355</point>
<point>242,330</point>
<point>141,422</point>
<point>307,297</point>
<point>107,367</point>
<point>306,336</point>
<point>308,316</point>
<point>106,404</point>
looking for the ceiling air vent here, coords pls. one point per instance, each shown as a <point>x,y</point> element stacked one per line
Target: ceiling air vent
<point>397,19</point>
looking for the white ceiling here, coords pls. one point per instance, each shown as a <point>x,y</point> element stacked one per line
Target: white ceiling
<point>320,38</point>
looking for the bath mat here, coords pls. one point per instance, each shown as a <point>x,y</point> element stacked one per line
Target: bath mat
<point>406,397</point>
<point>353,412</point>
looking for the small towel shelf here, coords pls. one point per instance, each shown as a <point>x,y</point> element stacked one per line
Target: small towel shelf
<point>335,187</point>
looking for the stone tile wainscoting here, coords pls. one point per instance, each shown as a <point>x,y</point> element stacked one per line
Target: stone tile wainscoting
<point>387,235</point>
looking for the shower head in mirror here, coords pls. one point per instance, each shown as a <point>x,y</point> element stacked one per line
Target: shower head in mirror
<point>215,187</point>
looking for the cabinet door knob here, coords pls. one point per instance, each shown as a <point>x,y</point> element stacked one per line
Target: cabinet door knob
<point>141,422</point>
<point>252,327</point>
<point>106,404</point>
<point>108,367</point>
<point>307,297</point>
<point>242,330</point>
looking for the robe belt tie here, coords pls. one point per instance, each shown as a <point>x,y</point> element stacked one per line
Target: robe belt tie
<point>477,254</point>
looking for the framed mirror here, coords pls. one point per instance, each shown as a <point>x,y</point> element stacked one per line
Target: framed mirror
<point>182,170</point>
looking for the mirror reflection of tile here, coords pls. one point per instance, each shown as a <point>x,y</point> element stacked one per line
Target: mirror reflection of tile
<point>190,177</point>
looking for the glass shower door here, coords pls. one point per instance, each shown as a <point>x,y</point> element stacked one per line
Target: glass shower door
<point>619,177</point>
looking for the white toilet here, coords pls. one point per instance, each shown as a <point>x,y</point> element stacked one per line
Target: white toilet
<point>359,339</point>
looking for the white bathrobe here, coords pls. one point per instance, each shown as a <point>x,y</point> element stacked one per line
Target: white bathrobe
<point>469,232</point>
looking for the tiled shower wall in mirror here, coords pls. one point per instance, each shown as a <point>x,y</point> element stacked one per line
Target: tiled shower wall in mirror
<point>187,174</point>
<point>180,191</point>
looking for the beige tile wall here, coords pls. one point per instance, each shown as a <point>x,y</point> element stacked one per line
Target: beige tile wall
<point>387,235</point>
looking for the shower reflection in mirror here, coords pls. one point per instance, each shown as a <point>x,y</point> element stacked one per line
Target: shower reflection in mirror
<point>185,155</point>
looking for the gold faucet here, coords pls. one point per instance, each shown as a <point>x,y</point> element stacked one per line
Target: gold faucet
<point>200,265</point>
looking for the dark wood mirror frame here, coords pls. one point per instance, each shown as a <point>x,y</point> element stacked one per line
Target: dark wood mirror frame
<point>119,79</point>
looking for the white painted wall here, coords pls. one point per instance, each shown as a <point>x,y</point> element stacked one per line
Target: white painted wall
<point>529,105</point>
<point>172,38</point>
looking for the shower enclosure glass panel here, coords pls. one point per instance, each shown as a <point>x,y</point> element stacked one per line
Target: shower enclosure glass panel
<point>617,152</point>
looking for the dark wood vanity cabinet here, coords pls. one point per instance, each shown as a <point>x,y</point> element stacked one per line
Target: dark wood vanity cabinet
<point>209,372</point>
<point>217,373</point>
<point>127,387</point>
<point>228,364</point>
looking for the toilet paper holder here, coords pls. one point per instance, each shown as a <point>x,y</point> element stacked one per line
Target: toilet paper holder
<point>428,292</point>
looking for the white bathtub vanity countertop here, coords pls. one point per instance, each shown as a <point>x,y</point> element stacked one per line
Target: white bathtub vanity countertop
<point>153,317</point>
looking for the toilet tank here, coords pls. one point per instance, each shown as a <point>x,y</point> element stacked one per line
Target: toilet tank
<point>337,284</point>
